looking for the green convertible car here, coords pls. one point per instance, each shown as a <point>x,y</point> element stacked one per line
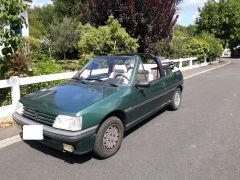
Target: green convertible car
<point>107,97</point>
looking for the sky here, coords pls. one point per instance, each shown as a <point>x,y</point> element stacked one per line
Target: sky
<point>188,10</point>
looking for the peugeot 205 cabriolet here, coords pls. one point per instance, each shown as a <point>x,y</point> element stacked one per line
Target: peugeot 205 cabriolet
<point>107,97</point>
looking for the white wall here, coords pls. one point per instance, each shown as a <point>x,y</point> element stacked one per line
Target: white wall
<point>25,29</point>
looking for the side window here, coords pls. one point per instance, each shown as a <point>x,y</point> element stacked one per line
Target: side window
<point>151,69</point>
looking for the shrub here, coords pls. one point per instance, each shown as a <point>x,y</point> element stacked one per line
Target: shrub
<point>109,39</point>
<point>183,47</point>
<point>34,47</point>
<point>215,48</point>
<point>44,67</point>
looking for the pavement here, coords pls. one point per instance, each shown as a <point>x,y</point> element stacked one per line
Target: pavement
<point>199,141</point>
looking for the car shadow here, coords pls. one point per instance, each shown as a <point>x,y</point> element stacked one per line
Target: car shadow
<point>66,157</point>
<point>80,159</point>
<point>142,123</point>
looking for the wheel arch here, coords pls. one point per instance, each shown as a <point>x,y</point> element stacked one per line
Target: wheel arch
<point>180,87</point>
<point>118,113</point>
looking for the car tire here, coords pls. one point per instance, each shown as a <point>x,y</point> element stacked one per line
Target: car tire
<point>109,137</point>
<point>176,99</point>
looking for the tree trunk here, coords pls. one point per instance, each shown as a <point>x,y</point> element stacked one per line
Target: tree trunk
<point>65,57</point>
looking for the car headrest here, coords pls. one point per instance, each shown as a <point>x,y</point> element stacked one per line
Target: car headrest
<point>120,69</point>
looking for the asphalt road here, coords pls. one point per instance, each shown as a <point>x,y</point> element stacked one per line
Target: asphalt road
<point>200,141</point>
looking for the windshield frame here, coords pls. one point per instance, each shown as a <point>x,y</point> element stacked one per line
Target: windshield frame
<point>109,58</point>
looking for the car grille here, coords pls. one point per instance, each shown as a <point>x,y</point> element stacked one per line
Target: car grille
<point>39,117</point>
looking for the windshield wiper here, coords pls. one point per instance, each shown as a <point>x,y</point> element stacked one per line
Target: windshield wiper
<point>94,79</point>
<point>80,79</point>
<point>114,85</point>
<point>100,80</point>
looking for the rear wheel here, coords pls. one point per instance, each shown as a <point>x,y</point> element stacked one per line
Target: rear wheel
<point>109,137</point>
<point>176,99</point>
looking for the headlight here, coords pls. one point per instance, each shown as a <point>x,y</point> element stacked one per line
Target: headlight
<point>68,123</point>
<point>19,108</point>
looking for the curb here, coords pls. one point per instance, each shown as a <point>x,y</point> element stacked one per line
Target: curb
<point>9,141</point>
<point>15,139</point>
<point>202,72</point>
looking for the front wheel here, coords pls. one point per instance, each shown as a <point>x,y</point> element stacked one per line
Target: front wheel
<point>176,99</point>
<point>109,137</point>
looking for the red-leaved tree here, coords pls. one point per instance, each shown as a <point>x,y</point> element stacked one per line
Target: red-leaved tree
<point>148,20</point>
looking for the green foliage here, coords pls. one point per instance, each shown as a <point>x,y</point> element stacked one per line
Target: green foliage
<point>221,18</point>
<point>149,21</point>
<point>164,49</point>
<point>43,67</point>
<point>34,47</point>
<point>190,30</point>
<point>215,48</point>
<point>194,47</point>
<point>37,50</point>
<point>72,65</point>
<point>6,98</point>
<point>184,47</point>
<point>109,39</point>
<point>188,43</point>
<point>40,19</point>
<point>48,66</point>
<point>64,36</point>
<point>71,9</point>
<point>10,37</point>
<point>9,16</point>
<point>35,87</point>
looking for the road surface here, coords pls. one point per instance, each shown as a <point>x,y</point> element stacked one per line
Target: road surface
<point>201,141</point>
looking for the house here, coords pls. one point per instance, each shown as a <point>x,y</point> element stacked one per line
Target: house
<point>25,30</point>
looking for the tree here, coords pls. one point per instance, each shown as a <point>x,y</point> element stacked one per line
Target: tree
<point>40,19</point>
<point>64,37</point>
<point>72,9</point>
<point>10,23</point>
<point>108,39</point>
<point>221,18</point>
<point>187,42</point>
<point>147,20</point>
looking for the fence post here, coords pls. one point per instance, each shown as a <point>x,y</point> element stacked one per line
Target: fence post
<point>180,63</point>
<point>15,82</point>
<point>190,62</point>
<point>205,61</point>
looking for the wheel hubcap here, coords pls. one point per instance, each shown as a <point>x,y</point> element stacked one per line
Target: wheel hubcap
<point>111,137</point>
<point>177,99</point>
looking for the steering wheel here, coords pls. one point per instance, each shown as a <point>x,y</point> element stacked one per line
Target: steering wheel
<point>123,77</point>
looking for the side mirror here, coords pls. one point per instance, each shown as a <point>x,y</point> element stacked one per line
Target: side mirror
<point>143,84</point>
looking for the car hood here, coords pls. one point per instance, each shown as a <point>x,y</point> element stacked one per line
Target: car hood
<point>69,98</point>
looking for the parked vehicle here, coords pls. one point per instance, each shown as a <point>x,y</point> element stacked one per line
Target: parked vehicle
<point>107,97</point>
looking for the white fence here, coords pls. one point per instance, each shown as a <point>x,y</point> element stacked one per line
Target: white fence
<point>15,82</point>
<point>190,63</point>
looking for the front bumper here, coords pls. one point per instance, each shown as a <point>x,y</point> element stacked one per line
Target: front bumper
<point>82,140</point>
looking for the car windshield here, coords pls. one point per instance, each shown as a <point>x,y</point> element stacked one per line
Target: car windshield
<point>112,70</point>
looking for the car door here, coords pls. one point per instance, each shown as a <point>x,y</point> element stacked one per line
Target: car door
<point>146,100</point>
